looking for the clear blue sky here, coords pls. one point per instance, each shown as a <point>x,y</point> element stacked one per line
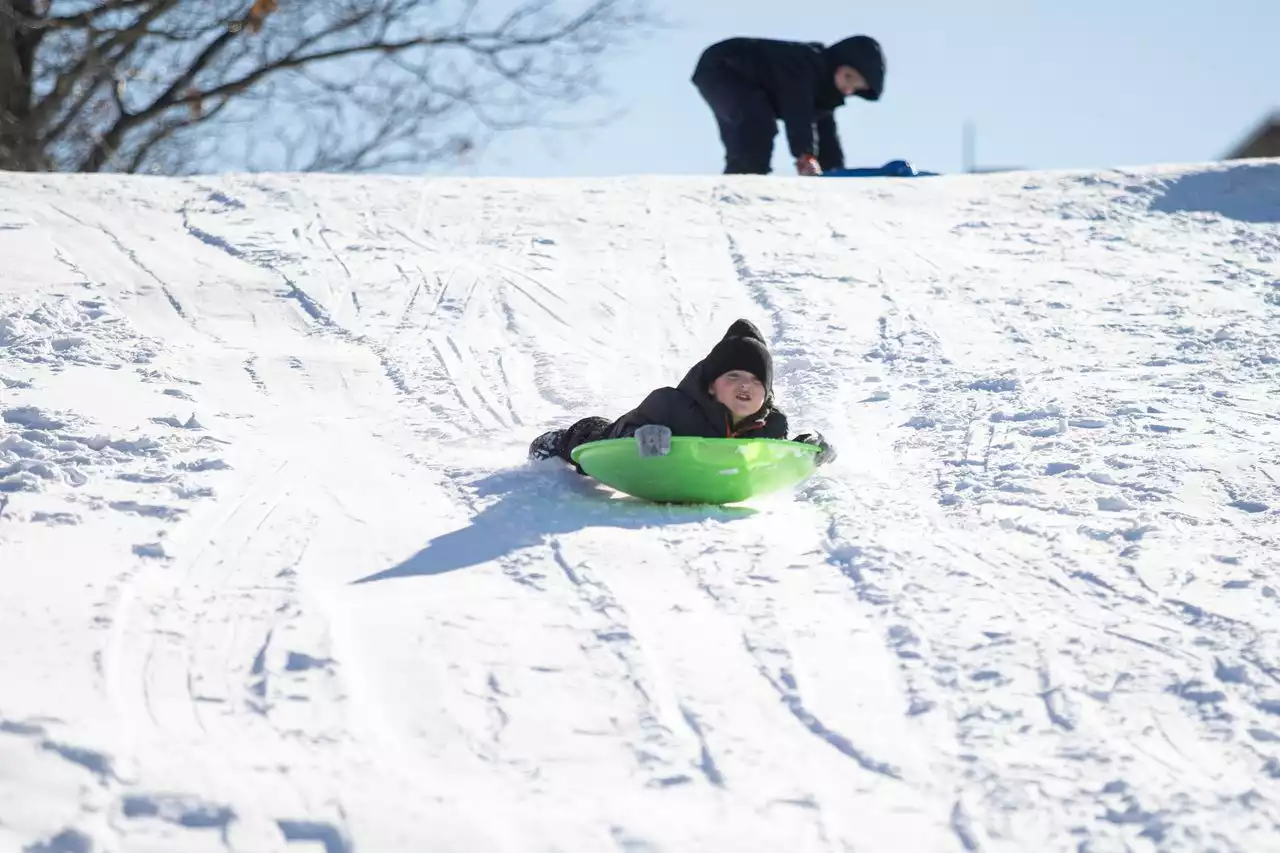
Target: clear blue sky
<point>1070,84</point>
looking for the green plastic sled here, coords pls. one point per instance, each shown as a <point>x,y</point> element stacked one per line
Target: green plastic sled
<point>699,470</point>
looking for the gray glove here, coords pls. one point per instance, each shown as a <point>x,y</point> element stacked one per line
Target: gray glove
<point>653,440</point>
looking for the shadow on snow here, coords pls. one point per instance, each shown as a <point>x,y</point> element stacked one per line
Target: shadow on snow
<point>535,502</point>
<point>1246,192</point>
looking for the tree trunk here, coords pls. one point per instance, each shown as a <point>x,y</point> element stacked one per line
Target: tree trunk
<point>19,147</point>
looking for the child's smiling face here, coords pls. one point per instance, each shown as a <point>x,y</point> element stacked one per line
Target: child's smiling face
<point>740,391</point>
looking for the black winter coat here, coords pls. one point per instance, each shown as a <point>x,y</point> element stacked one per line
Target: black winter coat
<point>688,409</point>
<point>799,81</point>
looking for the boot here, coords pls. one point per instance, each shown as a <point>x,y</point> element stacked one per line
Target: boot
<point>546,445</point>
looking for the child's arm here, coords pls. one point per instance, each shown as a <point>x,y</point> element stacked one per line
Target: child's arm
<point>660,407</point>
<point>830,153</point>
<point>775,426</point>
<point>794,83</point>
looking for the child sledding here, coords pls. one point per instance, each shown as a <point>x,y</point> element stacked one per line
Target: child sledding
<point>726,397</point>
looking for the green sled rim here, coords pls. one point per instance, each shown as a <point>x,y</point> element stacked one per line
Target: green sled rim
<point>699,470</point>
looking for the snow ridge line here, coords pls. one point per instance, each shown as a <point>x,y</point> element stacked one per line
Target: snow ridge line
<point>133,257</point>
<point>610,637</point>
<point>616,636</point>
<point>706,763</point>
<point>778,674</point>
<point>758,291</point>
<point>788,690</point>
<point>309,304</point>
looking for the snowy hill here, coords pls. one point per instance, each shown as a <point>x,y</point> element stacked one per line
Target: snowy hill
<point>276,576</point>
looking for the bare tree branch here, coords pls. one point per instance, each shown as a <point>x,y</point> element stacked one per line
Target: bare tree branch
<point>164,132</point>
<point>79,19</point>
<point>97,60</point>
<point>167,85</point>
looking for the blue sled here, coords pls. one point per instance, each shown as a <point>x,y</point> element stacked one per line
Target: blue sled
<point>892,169</point>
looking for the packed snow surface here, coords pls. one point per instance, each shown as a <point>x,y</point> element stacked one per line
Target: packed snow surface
<point>277,576</point>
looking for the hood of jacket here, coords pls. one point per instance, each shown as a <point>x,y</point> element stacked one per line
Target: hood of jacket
<point>864,54</point>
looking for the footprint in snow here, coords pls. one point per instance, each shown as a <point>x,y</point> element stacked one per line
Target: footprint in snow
<point>171,421</point>
<point>189,812</point>
<point>67,841</point>
<point>329,836</point>
<point>219,197</point>
<point>32,418</point>
<point>1003,384</point>
<point>165,513</point>
<point>299,662</point>
<point>202,465</point>
<point>189,493</point>
<point>1114,504</point>
<point>54,518</point>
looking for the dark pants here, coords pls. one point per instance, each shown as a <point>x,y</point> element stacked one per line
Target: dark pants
<point>746,118</point>
<point>580,432</point>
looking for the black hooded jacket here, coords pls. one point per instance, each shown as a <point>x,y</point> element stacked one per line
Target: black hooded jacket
<point>799,80</point>
<point>688,409</point>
